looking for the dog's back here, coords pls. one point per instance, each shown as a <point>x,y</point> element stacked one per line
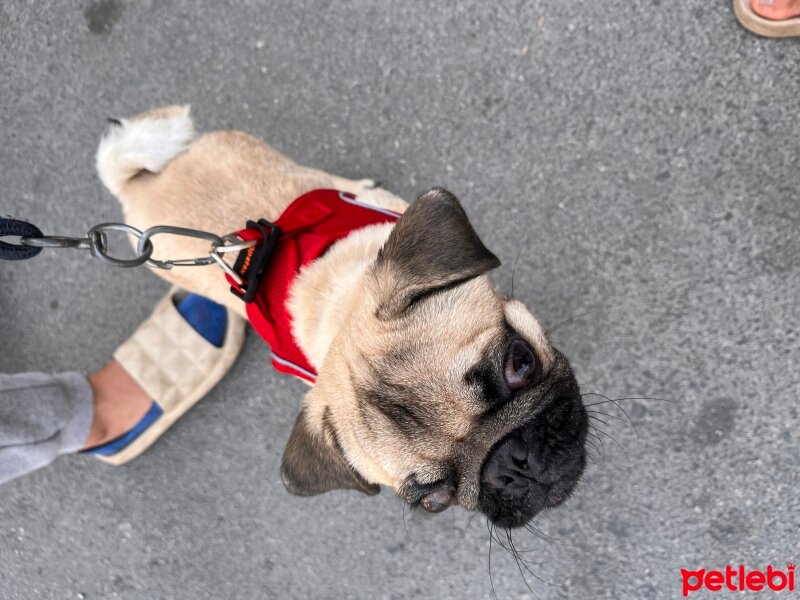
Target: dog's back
<point>164,174</point>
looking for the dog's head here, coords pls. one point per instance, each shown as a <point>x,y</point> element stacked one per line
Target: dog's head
<point>439,386</point>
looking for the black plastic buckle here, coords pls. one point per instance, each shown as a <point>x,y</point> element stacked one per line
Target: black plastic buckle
<point>255,269</point>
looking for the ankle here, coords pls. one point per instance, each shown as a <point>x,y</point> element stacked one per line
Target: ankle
<point>119,403</point>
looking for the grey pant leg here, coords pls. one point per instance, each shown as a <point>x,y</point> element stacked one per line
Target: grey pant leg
<point>41,416</point>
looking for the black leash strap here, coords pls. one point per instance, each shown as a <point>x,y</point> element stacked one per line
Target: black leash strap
<point>15,227</point>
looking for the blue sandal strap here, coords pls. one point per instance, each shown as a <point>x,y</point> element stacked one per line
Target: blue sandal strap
<point>125,439</point>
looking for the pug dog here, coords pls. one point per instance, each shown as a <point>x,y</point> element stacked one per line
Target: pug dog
<point>430,381</point>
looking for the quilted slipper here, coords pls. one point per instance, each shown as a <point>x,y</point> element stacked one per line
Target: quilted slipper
<point>761,26</point>
<point>181,351</point>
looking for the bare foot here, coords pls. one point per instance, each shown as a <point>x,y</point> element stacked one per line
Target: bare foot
<point>777,10</point>
<point>119,404</point>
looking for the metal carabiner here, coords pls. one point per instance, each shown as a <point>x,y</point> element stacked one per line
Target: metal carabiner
<point>237,246</point>
<point>144,241</point>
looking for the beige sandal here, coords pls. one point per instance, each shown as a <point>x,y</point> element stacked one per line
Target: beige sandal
<point>766,27</point>
<point>176,365</point>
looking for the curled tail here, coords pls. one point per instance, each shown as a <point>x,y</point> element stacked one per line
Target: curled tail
<point>145,142</point>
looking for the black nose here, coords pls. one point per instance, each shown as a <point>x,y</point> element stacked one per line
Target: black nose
<point>514,466</point>
<point>536,465</point>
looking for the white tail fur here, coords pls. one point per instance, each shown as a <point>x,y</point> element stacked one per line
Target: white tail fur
<point>146,143</point>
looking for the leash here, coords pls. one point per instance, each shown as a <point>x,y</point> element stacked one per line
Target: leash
<point>276,252</point>
<point>30,241</point>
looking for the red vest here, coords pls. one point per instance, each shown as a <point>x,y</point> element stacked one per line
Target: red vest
<point>305,230</point>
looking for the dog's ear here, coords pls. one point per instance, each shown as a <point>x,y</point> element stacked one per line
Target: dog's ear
<point>314,463</point>
<point>433,246</point>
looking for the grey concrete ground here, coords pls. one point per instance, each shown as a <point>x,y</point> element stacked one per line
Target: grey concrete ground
<point>641,155</point>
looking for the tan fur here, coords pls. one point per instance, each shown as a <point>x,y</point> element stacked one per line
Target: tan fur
<point>225,178</point>
<point>322,298</point>
<point>443,350</point>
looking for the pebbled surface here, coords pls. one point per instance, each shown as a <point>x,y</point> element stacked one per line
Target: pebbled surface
<point>641,158</point>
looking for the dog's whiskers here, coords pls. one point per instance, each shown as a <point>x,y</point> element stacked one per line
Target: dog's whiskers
<point>597,457</point>
<point>609,415</point>
<point>516,553</point>
<point>615,402</point>
<point>471,519</point>
<point>404,517</point>
<point>520,563</point>
<point>527,568</point>
<point>598,419</point>
<point>566,321</point>
<point>514,270</point>
<point>491,581</point>
<point>542,535</point>
<point>608,400</point>
<point>612,438</point>
<point>597,437</point>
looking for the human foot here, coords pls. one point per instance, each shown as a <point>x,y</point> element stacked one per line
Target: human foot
<point>119,404</point>
<point>776,10</point>
<point>770,18</point>
<point>172,360</point>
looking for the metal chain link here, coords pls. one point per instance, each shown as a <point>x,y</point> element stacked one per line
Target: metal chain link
<point>96,241</point>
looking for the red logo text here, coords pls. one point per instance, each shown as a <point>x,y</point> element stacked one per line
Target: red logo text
<point>738,580</point>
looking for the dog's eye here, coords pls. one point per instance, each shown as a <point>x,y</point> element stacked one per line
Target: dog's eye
<point>439,499</point>
<point>521,366</point>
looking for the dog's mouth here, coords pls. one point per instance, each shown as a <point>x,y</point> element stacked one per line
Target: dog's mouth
<point>537,465</point>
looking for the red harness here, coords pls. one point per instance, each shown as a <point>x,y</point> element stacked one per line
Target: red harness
<point>306,229</point>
